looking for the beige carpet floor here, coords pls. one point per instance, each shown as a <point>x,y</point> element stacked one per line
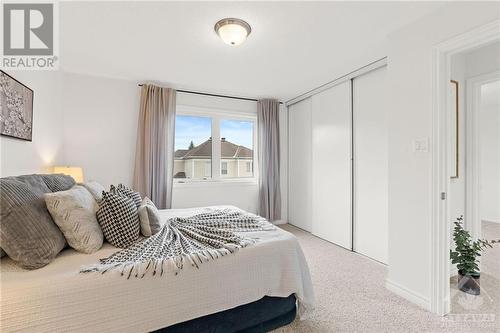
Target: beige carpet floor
<point>351,297</point>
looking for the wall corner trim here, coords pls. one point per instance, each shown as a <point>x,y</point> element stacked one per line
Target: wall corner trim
<point>408,294</point>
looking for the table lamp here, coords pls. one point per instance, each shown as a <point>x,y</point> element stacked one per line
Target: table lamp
<point>75,172</point>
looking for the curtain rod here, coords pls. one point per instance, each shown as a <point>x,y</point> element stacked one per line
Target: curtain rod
<point>213,95</point>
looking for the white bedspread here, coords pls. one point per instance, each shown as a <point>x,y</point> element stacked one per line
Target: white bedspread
<point>57,298</point>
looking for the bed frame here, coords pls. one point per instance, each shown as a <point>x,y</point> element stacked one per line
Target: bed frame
<point>263,315</point>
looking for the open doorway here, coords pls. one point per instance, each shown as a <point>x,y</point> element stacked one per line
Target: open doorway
<point>441,146</point>
<point>474,170</point>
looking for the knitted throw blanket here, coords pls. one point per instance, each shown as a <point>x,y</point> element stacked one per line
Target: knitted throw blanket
<point>189,240</point>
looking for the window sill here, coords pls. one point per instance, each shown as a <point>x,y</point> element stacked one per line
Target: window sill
<point>213,182</point>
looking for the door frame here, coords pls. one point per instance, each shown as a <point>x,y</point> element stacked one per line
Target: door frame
<point>473,165</point>
<point>440,224</point>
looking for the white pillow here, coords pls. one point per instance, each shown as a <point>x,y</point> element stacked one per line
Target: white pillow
<point>95,189</point>
<point>74,211</point>
<point>149,217</point>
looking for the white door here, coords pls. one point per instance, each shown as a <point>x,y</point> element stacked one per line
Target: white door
<point>331,165</point>
<point>299,164</point>
<point>370,180</point>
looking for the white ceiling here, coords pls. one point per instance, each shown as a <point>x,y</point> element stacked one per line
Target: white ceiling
<point>293,47</point>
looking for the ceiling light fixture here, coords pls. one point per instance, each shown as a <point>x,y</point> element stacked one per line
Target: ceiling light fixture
<point>232,31</point>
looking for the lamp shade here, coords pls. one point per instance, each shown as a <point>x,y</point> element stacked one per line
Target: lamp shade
<point>232,31</point>
<point>75,172</point>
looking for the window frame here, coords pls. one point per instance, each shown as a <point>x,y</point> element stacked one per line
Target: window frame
<point>222,169</point>
<point>217,115</point>
<point>248,166</point>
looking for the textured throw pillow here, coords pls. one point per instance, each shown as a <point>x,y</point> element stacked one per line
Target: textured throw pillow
<point>123,190</point>
<point>74,211</point>
<point>119,220</point>
<point>149,217</point>
<point>28,234</point>
<point>34,181</point>
<point>95,189</point>
<point>58,182</point>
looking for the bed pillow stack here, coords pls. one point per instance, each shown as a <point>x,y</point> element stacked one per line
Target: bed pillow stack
<point>41,214</point>
<point>118,216</point>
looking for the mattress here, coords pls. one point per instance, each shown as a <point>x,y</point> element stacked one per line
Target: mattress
<point>59,298</point>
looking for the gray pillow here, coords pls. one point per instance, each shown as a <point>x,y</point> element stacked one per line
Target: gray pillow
<point>74,211</point>
<point>58,182</point>
<point>95,189</point>
<point>35,181</point>
<point>149,217</point>
<point>27,233</point>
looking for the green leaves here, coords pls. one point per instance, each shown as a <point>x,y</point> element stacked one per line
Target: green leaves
<point>466,250</point>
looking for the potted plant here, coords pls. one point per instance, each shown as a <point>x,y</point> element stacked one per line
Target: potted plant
<point>466,257</point>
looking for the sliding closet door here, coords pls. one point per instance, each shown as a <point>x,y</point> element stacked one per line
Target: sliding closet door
<point>299,164</point>
<point>331,165</point>
<point>370,164</point>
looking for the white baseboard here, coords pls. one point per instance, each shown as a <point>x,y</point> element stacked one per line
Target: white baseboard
<point>408,294</point>
<point>278,222</point>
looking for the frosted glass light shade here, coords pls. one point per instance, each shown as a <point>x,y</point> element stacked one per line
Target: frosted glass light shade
<point>232,31</point>
<point>75,172</point>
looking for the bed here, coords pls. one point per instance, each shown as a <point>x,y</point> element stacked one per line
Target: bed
<point>253,290</point>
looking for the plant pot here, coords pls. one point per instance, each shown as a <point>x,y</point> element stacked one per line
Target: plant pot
<point>469,283</point>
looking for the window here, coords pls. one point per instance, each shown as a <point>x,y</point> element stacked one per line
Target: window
<point>208,169</point>
<point>193,147</point>
<point>223,168</point>
<point>237,146</point>
<point>213,145</point>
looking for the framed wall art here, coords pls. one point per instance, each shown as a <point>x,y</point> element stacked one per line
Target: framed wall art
<point>16,108</point>
<point>454,129</point>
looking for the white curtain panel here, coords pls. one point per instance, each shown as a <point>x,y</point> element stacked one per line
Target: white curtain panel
<point>154,157</point>
<point>269,159</point>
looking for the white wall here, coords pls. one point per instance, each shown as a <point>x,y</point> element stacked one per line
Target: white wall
<point>100,116</point>
<point>489,154</point>
<point>100,126</point>
<point>242,195</point>
<point>410,117</point>
<point>23,157</point>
